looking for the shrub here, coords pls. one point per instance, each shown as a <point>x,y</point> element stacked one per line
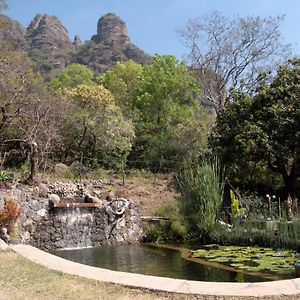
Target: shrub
<point>10,213</point>
<point>176,228</point>
<point>153,233</point>
<point>4,176</point>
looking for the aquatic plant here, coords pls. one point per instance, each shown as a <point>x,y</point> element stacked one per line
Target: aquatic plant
<point>254,259</point>
<point>202,188</point>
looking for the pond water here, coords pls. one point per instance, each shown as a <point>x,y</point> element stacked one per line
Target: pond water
<point>152,260</point>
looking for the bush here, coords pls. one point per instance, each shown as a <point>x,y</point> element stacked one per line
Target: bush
<point>176,228</point>
<point>153,233</point>
<point>9,214</point>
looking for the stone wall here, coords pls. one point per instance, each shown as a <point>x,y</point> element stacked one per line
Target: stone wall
<point>52,228</point>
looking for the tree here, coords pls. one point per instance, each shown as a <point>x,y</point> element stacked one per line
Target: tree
<point>122,81</point>
<point>94,127</point>
<point>28,109</point>
<point>72,76</point>
<point>265,128</point>
<point>168,113</point>
<point>228,53</point>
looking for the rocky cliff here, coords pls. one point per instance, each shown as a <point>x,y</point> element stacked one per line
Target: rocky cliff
<point>110,45</point>
<point>47,43</point>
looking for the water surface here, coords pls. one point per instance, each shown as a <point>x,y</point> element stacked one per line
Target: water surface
<point>152,260</point>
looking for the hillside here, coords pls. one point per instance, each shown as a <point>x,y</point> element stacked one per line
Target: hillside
<point>46,41</point>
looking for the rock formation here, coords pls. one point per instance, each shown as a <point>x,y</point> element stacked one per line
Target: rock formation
<point>12,33</point>
<point>77,42</point>
<point>49,42</point>
<point>111,30</point>
<point>47,34</point>
<point>110,45</point>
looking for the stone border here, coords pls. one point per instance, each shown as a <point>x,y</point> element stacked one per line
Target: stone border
<point>275,288</point>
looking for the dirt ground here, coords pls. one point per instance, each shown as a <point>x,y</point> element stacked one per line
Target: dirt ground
<point>150,195</point>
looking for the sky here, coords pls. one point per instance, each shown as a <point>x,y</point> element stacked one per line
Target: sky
<point>152,24</point>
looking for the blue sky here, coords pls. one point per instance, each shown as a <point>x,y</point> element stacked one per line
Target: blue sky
<point>152,24</point>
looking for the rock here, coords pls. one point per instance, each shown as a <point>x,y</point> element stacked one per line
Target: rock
<point>48,38</point>
<point>3,246</point>
<point>26,236</point>
<point>54,199</point>
<point>43,190</point>
<point>111,29</point>
<point>42,212</point>
<point>111,196</point>
<point>4,235</point>
<point>111,44</point>
<point>77,42</point>
<point>60,169</point>
<point>35,205</point>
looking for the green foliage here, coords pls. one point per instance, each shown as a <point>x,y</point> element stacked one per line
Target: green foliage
<point>122,81</point>
<point>4,176</point>
<point>72,76</point>
<point>253,259</point>
<point>264,128</point>
<point>235,210</point>
<point>169,125</point>
<point>202,189</point>
<point>283,234</point>
<point>174,229</point>
<point>94,128</point>
<point>153,233</point>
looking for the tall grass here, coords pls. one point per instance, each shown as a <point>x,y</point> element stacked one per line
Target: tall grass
<point>202,188</point>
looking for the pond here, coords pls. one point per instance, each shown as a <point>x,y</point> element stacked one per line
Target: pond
<point>157,261</point>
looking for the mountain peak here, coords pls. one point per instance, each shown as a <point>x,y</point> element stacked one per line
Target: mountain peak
<point>47,34</point>
<point>111,29</point>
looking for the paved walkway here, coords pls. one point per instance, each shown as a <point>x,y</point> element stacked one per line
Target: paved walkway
<point>282,287</point>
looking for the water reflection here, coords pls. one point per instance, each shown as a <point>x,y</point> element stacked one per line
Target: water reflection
<point>151,260</point>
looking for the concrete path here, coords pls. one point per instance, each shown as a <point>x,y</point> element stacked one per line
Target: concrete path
<point>282,287</point>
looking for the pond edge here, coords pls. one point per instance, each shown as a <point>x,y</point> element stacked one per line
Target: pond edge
<point>274,288</point>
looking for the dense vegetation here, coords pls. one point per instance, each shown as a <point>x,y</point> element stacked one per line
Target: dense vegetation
<point>151,117</point>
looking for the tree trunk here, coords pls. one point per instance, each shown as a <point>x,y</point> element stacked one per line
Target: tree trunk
<point>33,165</point>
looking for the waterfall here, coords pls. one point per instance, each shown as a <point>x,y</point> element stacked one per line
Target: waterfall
<point>76,232</point>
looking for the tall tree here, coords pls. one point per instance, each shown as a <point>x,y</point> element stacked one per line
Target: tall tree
<point>265,128</point>
<point>28,108</point>
<point>169,117</point>
<point>94,127</point>
<point>122,81</point>
<point>232,52</point>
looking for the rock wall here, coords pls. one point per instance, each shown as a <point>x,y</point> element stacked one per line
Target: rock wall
<point>53,228</point>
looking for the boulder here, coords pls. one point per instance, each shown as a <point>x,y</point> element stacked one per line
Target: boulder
<point>60,169</point>
<point>54,199</point>
<point>43,190</point>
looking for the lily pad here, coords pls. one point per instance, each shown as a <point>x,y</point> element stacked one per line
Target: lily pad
<point>254,259</point>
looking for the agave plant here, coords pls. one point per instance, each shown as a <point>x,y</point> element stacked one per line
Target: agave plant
<point>4,176</point>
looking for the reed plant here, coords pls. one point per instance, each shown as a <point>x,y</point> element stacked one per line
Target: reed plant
<point>202,187</point>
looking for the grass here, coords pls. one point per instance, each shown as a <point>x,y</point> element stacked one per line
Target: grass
<point>21,279</point>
